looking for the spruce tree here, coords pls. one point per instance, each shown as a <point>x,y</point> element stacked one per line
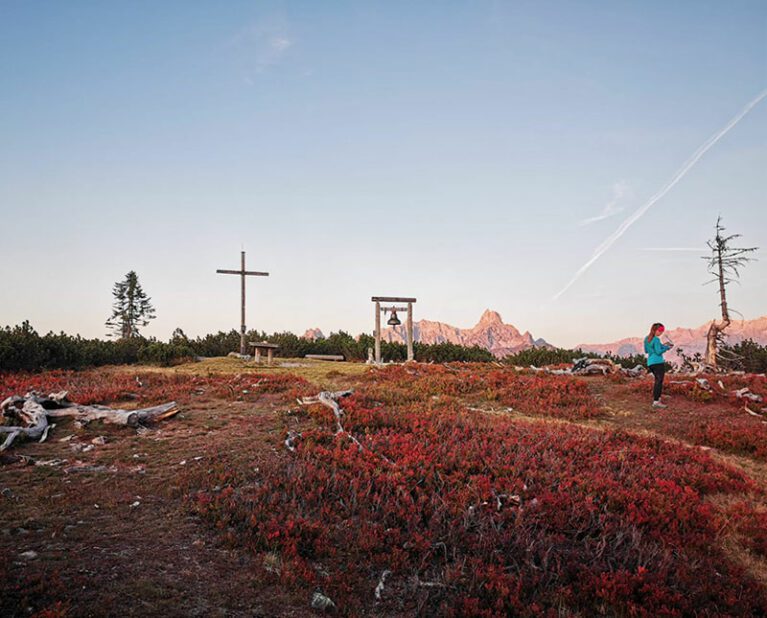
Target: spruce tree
<point>132,308</point>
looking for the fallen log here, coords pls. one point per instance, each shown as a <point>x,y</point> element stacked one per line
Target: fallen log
<point>131,418</point>
<point>34,410</point>
<point>593,366</point>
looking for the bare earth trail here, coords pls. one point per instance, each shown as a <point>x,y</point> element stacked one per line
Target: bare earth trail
<point>116,538</point>
<point>631,411</point>
<point>109,531</point>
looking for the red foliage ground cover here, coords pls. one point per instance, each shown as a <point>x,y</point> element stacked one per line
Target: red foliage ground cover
<point>554,396</point>
<point>147,388</point>
<point>718,419</point>
<point>751,523</point>
<point>687,387</point>
<point>487,515</point>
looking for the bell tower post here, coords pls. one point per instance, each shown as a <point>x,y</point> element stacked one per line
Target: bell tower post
<point>393,321</point>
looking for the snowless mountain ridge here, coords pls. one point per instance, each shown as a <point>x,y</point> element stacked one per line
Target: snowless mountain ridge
<point>689,340</point>
<point>490,333</point>
<point>502,339</point>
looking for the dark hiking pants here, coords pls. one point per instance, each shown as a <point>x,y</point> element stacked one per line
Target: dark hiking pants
<point>658,371</point>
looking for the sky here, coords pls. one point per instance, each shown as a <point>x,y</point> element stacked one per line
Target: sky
<point>471,154</point>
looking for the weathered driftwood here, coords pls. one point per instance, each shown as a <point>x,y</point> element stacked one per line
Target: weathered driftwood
<point>589,366</point>
<point>34,410</point>
<point>593,366</point>
<point>131,418</point>
<point>325,357</point>
<point>745,393</point>
<point>330,400</point>
<point>28,411</point>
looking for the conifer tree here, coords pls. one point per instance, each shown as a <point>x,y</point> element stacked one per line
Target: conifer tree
<point>132,308</point>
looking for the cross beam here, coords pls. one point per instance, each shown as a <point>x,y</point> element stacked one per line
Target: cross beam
<point>393,299</point>
<point>243,273</point>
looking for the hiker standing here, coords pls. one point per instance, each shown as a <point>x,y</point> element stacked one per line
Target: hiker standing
<point>655,349</point>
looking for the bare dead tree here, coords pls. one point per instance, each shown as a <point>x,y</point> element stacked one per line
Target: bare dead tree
<point>724,263</point>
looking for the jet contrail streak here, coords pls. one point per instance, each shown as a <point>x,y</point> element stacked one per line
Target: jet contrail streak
<point>681,172</point>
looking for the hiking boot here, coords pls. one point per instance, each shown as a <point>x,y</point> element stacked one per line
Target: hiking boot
<point>658,404</point>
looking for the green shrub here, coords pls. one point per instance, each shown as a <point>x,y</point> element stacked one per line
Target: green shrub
<point>21,347</point>
<point>539,357</point>
<point>165,353</point>
<point>747,356</point>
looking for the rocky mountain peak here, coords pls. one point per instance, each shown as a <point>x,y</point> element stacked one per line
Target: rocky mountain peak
<point>490,317</point>
<point>313,334</point>
<point>490,333</point>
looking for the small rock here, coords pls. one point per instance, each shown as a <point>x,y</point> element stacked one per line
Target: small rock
<point>28,555</point>
<point>320,601</point>
<point>7,492</point>
<point>101,441</point>
<point>135,504</point>
<point>90,447</point>
<point>67,438</point>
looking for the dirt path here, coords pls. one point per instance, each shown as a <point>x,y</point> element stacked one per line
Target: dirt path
<point>631,411</point>
<point>112,534</point>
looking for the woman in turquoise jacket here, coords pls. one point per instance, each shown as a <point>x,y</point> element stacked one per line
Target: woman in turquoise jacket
<point>655,363</point>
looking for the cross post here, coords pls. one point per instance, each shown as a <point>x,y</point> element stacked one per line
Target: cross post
<point>243,273</point>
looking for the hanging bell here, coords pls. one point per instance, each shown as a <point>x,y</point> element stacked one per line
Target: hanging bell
<point>393,320</point>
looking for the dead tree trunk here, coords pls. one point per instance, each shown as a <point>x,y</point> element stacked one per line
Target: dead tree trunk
<point>34,409</point>
<point>724,264</point>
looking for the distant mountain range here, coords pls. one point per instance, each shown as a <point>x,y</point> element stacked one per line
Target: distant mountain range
<point>489,333</point>
<point>501,339</point>
<point>690,340</point>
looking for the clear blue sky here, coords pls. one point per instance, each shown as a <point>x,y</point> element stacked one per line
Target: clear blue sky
<point>446,150</point>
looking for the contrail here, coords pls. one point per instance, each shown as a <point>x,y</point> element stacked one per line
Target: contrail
<point>681,172</point>
<point>692,249</point>
<point>620,189</point>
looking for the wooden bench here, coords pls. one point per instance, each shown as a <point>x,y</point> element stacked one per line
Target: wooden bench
<point>325,357</point>
<point>264,346</point>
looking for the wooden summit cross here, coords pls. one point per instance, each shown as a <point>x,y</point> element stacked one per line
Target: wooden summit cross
<point>242,272</point>
<point>408,323</point>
